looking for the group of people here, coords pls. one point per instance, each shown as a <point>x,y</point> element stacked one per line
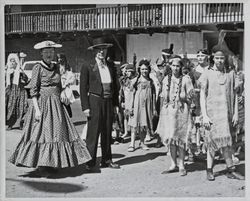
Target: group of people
<point>179,103</point>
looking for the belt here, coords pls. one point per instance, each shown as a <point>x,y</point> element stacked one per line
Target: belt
<point>96,95</point>
<point>99,96</point>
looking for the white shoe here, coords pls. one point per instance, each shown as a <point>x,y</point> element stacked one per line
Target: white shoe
<point>147,138</point>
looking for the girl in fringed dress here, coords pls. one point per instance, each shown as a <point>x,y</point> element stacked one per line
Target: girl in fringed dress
<point>126,92</point>
<point>175,118</point>
<point>50,140</point>
<point>143,106</point>
<point>219,107</point>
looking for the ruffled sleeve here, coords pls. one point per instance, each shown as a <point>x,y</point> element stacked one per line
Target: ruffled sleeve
<point>35,82</point>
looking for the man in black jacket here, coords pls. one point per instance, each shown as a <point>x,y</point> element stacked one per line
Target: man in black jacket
<point>99,96</point>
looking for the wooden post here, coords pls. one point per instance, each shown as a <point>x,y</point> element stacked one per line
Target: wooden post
<point>120,47</point>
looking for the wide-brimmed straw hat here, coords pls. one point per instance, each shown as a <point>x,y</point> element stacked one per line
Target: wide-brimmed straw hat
<point>100,42</point>
<point>46,44</point>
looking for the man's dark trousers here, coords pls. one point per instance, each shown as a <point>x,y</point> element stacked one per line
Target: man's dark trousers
<point>101,111</point>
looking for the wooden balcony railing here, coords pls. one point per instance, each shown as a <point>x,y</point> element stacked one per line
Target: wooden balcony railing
<point>123,17</point>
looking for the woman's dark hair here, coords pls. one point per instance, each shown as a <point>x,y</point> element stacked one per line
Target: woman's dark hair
<point>181,61</point>
<point>61,59</point>
<point>203,51</point>
<point>211,60</point>
<point>146,63</point>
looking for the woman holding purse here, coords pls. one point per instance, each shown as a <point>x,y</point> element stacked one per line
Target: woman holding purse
<point>50,140</point>
<point>67,79</point>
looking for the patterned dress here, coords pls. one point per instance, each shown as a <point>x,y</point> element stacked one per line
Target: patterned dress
<point>219,90</point>
<point>143,106</point>
<point>53,140</point>
<point>175,119</point>
<point>127,96</point>
<point>16,100</point>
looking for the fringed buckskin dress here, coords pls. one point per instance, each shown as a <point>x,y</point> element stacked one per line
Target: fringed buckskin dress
<point>175,119</point>
<point>53,140</point>
<point>219,90</point>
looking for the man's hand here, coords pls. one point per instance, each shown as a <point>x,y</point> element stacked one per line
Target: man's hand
<point>37,115</point>
<point>86,112</point>
<point>235,119</point>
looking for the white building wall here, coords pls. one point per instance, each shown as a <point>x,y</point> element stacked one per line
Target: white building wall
<point>146,46</point>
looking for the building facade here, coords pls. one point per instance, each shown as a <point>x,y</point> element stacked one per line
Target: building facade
<point>141,29</point>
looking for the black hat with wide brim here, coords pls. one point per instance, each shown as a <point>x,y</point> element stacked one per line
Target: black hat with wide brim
<point>100,43</point>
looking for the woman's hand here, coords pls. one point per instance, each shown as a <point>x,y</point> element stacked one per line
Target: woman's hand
<point>207,122</point>
<point>9,71</point>
<point>37,115</point>
<point>155,113</point>
<point>131,112</point>
<point>86,112</point>
<point>235,119</point>
<point>64,99</point>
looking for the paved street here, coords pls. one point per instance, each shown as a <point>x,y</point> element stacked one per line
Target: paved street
<point>139,176</point>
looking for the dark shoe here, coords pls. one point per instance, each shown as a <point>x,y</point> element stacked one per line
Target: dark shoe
<point>172,170</point>
<point>232,174</point>
<point>89,168</point>
<point>210,175</point>
<point>9,128</point>
<point>110,165</point>
<point>43,171</point>
<point>159,144</point>
<point>235,175</point>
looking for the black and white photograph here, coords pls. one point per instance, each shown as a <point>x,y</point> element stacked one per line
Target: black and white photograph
<point>124,100</point>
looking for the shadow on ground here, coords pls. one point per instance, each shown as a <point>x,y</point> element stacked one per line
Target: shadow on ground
<point>239,168</point>
<point>53,187</point>
<point>63,173</point>
<point>196,166</point>
<point>139,159</point>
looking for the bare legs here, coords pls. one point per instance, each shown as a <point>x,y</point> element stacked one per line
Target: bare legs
<point>227,154</point>
<point>173,157</point>
<point>142,134</point>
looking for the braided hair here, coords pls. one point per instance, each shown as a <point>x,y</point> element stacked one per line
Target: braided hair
<point>170,76</point>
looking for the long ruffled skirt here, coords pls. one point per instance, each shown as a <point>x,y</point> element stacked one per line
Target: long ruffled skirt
<point>53,140</point>
<point>16,99</point>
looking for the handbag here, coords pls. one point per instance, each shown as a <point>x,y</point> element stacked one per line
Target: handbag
<point>69,94</point>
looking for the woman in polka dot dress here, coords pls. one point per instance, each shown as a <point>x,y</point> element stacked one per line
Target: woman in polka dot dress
<point>50,140</point>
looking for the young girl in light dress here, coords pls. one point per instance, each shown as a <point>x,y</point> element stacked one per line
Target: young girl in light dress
<point>127,94</point>
<point>143,105</point>
<point>175,117</point>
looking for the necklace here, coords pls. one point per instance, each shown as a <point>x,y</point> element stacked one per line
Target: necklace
<point>221,76</point>
<point>178,82</point>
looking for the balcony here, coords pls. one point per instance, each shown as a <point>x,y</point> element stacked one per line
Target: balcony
<point>124,17</point>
